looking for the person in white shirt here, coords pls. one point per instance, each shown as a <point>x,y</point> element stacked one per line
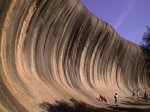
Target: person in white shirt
<point>138,94</point>
<point>133,94</point>
<point>116,97</point>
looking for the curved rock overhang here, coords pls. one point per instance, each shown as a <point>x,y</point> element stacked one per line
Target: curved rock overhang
<point>56,49</point>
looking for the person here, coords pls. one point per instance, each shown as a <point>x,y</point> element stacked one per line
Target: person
<point>116,99</point>
<point>133,94</point>
<point>138,94</point>
<point>102,98</point>
<point>145,96</point>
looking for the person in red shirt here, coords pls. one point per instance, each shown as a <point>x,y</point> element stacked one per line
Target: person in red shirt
<point>102,98</point>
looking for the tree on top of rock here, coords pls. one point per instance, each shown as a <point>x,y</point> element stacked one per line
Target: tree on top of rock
<point>146,38</point>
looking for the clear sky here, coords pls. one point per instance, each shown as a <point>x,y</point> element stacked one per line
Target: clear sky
<point>128,17</point>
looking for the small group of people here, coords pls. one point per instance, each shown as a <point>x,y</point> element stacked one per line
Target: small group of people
<point>103,99</point>
<point>116,97</point>
<point>136,93</point>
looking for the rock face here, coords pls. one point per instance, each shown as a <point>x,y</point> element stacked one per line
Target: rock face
<point>56,49</point>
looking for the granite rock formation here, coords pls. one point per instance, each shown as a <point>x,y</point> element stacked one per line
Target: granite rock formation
<point>56,50</point>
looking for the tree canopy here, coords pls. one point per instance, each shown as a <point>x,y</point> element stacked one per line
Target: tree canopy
<point>146,44</point>
<point>146,38</point>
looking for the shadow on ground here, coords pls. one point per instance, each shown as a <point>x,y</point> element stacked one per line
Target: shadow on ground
<point>137,103</point>
<point>78,106</point>
<point>125,109</point>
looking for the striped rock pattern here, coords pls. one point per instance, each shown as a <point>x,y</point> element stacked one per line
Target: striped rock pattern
<point>56,49</point>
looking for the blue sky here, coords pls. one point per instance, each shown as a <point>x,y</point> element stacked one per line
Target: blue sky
<point>128,17</point>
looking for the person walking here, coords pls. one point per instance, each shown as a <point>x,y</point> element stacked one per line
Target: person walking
<point>145,96</point>
<point>138,94</point>
<point>133,93</point>
<point>116,97</point>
